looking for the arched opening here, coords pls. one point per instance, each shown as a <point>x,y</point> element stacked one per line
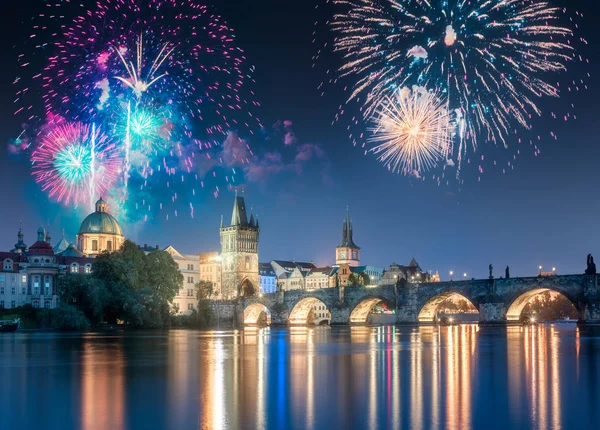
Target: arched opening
<point>310,311</point>
<point>257,314</point>
<point>452,307</point>
<point>541,304</point>
<point>373,311</point>
<point>247,288</point>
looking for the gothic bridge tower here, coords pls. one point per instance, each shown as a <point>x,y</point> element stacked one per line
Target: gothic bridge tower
<point>239,253</point>
<point>347,251</point>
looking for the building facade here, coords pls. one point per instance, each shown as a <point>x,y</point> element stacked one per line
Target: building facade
<point>31,275</point>
<point>185,300</point>
<point>239,253</point>
<point>210,270</point>
<point>267,278</point>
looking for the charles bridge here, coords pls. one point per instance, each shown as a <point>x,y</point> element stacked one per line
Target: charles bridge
<point>499,301</point>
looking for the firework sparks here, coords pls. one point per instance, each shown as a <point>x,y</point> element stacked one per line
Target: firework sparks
<point>413,130</point>
<point>74,161</point>
<point>490,59</point>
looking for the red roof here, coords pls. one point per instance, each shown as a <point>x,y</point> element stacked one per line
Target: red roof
<point>41,247</point>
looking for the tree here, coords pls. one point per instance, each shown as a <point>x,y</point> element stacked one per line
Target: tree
<point>353,279</point>
<point>204,290</point>
<point>364,279</point>
<point>128,285</point>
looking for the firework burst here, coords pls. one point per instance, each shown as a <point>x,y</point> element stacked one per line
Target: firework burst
<point>413,131</point>
<point>491,60</point>
<point>75,163</point>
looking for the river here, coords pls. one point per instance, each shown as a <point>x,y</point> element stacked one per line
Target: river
<point>546,376</point>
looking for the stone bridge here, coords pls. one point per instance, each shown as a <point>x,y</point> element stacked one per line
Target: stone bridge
<point>499,301</point>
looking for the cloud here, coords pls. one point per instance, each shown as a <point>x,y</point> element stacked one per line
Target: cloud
<point>290,138</point>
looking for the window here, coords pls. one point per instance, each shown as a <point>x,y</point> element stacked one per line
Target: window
<point>24,290</point>
<point>88,268</point>
<point>1,277</point>
<point>74,268</point>
<point>47,304</point>
<point>247,263</point>
<point>36,304</point>
<point>36,285</point>
<point>8,264</point>
<point>176,307</point>
<point>109,245</point>
<point>94,245</point>
<point>1,290</point>
<point>190,280</point>
<point>190,267</point>
<point>190,293</point>
<point>13,290</point>
<point>13,304</point>
<point>23,279</point>
<point>190,306</point>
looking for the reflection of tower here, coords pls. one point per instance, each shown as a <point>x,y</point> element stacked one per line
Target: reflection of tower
<point>239,253</point>
<point>347,252</point>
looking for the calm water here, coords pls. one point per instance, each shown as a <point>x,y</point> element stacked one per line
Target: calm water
<point>338,378</point>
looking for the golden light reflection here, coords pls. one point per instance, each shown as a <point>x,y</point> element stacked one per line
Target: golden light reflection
<point>213,395</point>
<point>102,386</point>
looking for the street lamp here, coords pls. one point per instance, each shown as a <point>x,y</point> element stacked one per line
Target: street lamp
<point>465,274</point>
<point>451,273</point>
<point>554,270</point>
<point>540,267</point>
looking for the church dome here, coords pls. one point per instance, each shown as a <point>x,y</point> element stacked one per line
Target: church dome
<point>100,222</point>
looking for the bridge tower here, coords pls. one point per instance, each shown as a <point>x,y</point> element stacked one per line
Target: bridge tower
<point>239,253</point>
<point>347,251</point>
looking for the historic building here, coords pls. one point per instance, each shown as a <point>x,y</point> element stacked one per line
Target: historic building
<point>239,253</point>
<point>185,300</point>
<point>267,278</point>
<point>99,232</point>
<point>347,251</point>
<point>210,270</point>
<point>30,275</point>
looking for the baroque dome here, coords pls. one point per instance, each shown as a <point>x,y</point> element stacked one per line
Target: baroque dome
<point>100,222</point>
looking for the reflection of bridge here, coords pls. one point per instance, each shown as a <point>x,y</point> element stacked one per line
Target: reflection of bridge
<point>499,301</point>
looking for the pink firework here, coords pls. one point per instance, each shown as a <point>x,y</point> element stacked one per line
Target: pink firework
<point>75,162</point>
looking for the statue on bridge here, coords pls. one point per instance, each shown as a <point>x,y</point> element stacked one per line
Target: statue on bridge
<point>507,272</point>
<point>591,266</point>
<point>491,271</point>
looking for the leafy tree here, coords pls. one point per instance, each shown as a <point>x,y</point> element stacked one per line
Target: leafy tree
<point>364,279</point>
<point>353,279</point>
<point>127,285</point>
<point>64,317</point>
<point>204,290</point>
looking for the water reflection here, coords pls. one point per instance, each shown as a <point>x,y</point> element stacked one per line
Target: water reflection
<point>346,377</point>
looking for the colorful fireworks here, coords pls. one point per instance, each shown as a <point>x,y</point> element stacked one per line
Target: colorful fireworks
<point>413,130</point>
<point>491,60</point>
<point>163,77</point>
<point>75,163</point>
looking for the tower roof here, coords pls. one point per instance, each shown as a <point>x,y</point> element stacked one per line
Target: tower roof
<point>100,222</point>
<point>347,240</point>
<point>238,216</point>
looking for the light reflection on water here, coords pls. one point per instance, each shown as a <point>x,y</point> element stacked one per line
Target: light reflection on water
<point>545,376</point>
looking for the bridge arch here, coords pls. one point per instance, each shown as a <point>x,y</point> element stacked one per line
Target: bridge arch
<point>247,288</point>
<point>428,312</point>
<point>257,314</point>
<point>309,311</point>
<point>515,306</point>
<point>360,313</point>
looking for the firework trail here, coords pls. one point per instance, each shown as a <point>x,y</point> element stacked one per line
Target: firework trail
<point>164,78</point>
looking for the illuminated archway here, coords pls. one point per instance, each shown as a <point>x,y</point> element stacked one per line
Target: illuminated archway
<point>514,311</point>
<point>360,313</point>
<point>429,311</point>
<point>310,311</point>
<point>257,314</point>
<point>247,288</point>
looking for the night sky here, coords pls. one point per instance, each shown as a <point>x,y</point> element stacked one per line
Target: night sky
<point>544,212</point>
